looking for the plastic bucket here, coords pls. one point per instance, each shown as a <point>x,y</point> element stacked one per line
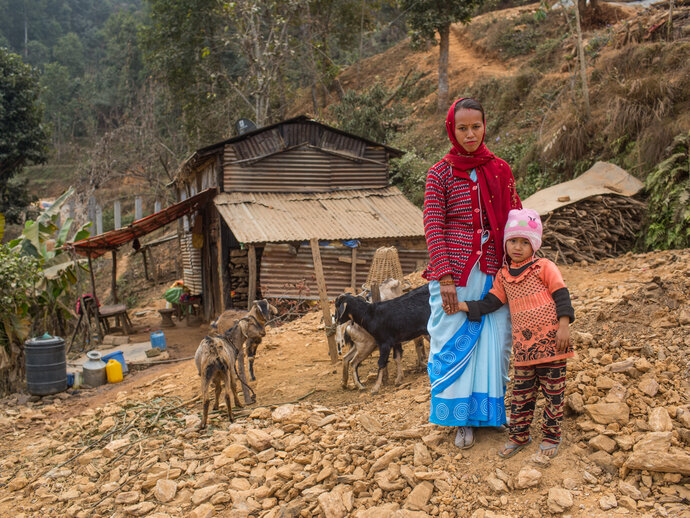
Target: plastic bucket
<point>46,369</point>
<point>117,355</point>
<point>158,340</point>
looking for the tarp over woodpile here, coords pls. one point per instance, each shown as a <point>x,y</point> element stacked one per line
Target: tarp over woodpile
<point>601,178</point>
<point>591,217</point>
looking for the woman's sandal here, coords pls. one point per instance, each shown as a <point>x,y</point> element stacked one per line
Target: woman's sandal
<point>511,448</point>
<point>551,446</point>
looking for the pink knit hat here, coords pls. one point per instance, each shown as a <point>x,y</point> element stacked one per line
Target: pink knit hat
<point>524,223</point>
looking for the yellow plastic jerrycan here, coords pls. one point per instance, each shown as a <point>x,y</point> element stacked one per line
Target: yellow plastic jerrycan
<point>113,371</point>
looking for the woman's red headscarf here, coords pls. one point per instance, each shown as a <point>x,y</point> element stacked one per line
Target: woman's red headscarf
<point>496,182</point>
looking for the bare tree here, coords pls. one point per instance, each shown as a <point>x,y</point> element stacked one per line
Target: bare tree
<point>261,29</point>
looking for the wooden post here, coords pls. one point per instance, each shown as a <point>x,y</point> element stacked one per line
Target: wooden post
<point>251,289</point>
<point>353,273</point>
<point>323,296</point>
<point>154,265</point>
<point>117,215</point>
<point>375,293</point>
<point>93,293</point>
<point>91,210</point>
<point>99,219</point>
<point>113,281</point>
<point>93,279</point>
<point>138,208</point>
<point>146,266</point>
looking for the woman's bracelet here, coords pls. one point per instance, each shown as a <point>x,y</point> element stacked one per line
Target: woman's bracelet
<point>447,282</point>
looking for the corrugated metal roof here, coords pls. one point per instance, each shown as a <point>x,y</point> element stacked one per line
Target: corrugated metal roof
<point>299,119</point>
<point>349,214</point>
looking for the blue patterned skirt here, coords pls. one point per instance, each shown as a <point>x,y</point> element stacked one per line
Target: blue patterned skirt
<point>468,361</point>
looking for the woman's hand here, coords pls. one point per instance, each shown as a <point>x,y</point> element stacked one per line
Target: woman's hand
<point>449,296</point>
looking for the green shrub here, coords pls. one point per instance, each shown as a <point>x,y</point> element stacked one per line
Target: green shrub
<point>372,114</point>
<point>408,173</point>
<point>669,198</point>
<point>546,53</point>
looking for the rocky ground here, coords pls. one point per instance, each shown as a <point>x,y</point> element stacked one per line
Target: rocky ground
<point>313,449</point>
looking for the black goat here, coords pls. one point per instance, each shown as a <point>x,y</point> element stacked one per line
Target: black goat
<point>390,322</point>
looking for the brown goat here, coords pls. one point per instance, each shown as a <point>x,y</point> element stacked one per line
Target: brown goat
<point>215,360</point>
<point>253,328</point>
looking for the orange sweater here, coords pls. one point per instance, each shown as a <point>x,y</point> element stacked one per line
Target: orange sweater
<point>532,311</point>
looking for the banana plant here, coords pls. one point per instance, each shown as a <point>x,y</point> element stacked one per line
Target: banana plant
<point>43,239</point>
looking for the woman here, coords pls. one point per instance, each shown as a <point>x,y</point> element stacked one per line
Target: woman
<point>466,203</point>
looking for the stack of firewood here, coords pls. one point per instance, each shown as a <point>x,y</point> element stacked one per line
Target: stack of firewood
<point>593,228</point>
<point>239,275</point>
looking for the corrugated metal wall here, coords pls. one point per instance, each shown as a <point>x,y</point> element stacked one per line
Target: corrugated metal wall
<point>191,265</point>
<point>304,170</point>
<point>292,276</point>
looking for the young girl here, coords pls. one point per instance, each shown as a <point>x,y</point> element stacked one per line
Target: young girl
<point>541,311</point>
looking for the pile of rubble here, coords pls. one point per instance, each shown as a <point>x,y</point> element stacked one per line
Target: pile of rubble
<point>626,435</point>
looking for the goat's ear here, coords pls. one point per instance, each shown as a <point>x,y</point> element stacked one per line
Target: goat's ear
<point>243,327</point>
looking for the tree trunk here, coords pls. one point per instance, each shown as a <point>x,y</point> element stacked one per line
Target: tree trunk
<point>444,33</point>
<point>583,65</point>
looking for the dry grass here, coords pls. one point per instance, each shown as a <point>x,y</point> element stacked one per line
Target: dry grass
<point>640,103</point>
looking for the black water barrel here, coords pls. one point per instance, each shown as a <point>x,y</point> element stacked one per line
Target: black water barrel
<point>46,369</point>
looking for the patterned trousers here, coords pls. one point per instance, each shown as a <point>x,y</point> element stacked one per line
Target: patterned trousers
<point>550,377</point>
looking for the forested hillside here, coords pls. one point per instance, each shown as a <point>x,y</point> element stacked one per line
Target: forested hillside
<point>131,87</point>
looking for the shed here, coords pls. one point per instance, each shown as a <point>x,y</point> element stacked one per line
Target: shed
<point>280,188</point>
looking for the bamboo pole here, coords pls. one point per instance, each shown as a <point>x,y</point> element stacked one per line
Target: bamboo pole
<point>323,296</point>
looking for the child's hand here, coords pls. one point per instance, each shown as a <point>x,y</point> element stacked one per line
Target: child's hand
<point>563,336</point>
<point>462,306</point>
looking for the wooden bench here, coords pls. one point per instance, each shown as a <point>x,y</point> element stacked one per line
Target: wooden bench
<point>119,312</point>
